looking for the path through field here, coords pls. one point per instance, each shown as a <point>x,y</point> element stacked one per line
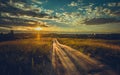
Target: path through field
<point>68,61</point>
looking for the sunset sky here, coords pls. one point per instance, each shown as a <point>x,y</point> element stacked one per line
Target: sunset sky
<point>81,16</point>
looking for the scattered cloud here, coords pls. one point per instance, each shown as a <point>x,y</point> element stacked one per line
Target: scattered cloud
<point>47,14</point>
<point>114,4</point>
<point>20,14</point>
<point>14,21</point>
<point>37,2</point>
<point>99,21</point>
<point>118,4</point>
<point>73,4</point>
<point>48,11</point>
<point>116,13</point>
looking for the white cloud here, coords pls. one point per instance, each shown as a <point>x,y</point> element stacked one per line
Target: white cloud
<point>70,18</point>
<point>73,4</point>
<point>89,10</point>
<point>18,4</point>
<point>57,14</point>
<point>38,2</point>
<point>47,11</point>
<point>98,12</point>
<point>91,4</point>
<point>112,4</point>
<point>107,11</point>
<point>80,9</point>
<point>78,21</point>
<point>5,28</point>
<point>25,7</point>
<point>21,28</point>
<point>62,9</point>
<point>5,14</point>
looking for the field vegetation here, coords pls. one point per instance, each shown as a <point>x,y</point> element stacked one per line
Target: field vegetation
<point>107,51</point>
<point>33,56</point>
<point>26,57</point>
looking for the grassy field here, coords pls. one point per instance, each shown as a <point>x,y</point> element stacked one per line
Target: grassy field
<point>32,56</point>
<point>107,51</point>
<point>26,57</point>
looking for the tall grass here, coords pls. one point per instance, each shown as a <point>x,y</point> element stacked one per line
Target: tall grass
<point>25,57</point>
<point>106,51</point>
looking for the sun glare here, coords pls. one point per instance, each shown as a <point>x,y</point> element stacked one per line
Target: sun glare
<point>38,28</point>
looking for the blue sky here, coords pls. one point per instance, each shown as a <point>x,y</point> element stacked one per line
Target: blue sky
<point>82,16</point>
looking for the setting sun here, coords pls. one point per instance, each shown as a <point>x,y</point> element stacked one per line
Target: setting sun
<point>38,28</point>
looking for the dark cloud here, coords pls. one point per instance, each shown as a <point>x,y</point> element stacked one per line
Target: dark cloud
<point>99,21</point>
<point>6,1</point>
<point>64,14</point>
<point>8,22</point>
<point>117,13</point>
<point>5,7</point>
<point>14,21</point>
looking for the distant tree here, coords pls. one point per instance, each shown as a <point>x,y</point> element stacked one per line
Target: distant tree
<point>1,33</point>
<point>10,35</point>
<point>12,32</point>
<point>1,36</point>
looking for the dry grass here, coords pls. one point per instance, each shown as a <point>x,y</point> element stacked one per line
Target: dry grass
<point>32,56</point>
<point>107,51</point>
<point>76,43</point>
<point>25,57</point>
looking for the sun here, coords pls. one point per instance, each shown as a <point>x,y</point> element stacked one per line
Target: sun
<point>38,28</point>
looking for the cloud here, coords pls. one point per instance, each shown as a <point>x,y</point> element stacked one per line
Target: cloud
<point>14,21</point>
<point>114,4</point>
<point>8,21</point>
<point>73,4</point>
<point>99,21</point>
<point>18,13</point>
<point>118,4</point>
<point>22,28</point>
<point>37,2</point>
<point>98,12</point>
<point>48,11</point>
<point>30,13</point>
<point>18,28</point>
<point>116,13</point>
<point>70,18</point>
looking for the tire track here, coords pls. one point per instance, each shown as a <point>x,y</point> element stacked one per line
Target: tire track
<point>68,61</point>
<point>68,67</point>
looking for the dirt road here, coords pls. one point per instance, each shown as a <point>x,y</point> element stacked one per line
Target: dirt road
<point>68,61</point>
